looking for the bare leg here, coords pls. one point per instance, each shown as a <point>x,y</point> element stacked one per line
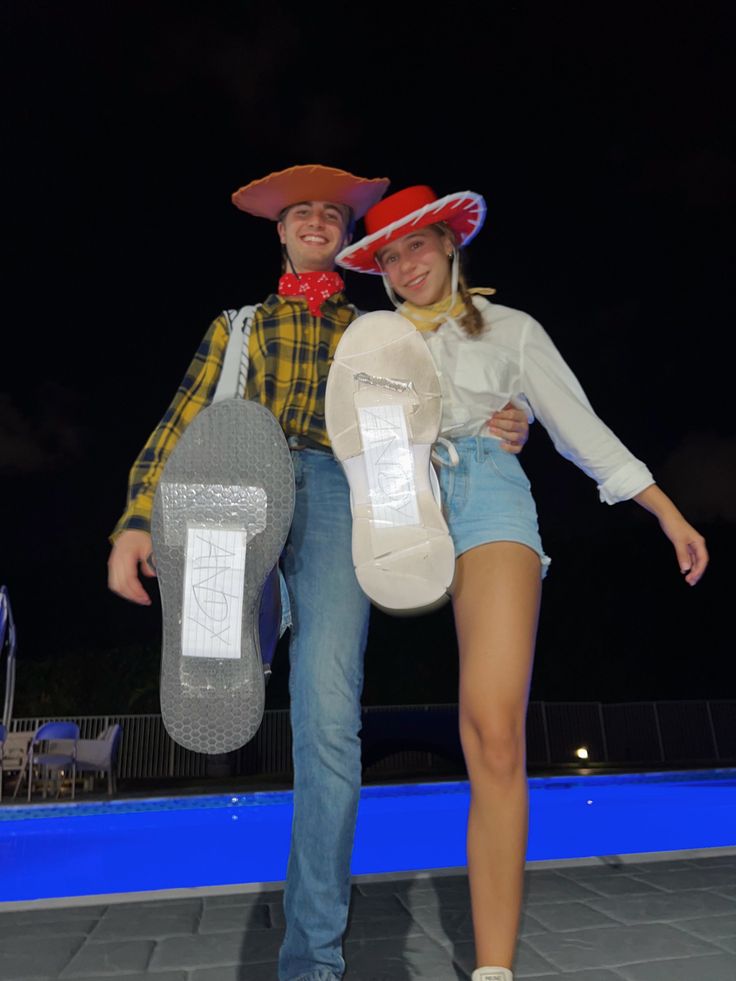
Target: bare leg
<point>496,603</point>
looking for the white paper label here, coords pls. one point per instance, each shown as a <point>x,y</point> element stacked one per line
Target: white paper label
<point>389,464</point>
<point>213,593</point>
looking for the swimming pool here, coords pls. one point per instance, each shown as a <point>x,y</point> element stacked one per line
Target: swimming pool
<point>131,846</point>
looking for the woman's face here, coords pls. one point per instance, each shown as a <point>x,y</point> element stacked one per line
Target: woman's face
<point>418,266</point>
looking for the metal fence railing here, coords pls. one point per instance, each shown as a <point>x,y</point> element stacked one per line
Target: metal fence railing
<point>423,739</point>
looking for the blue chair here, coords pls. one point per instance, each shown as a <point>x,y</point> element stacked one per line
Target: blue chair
<point>54,758</point>
<point>3,735</point>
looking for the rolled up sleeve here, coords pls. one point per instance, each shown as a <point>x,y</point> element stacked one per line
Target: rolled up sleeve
<point>564,410</point>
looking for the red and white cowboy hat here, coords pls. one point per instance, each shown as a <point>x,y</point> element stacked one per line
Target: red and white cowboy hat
<point>268,196</point>
<point>408,211</point>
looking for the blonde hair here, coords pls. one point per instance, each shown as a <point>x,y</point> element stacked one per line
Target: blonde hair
<point>472,320</point>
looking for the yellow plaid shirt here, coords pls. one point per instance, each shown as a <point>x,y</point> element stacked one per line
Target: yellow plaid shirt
<point>290,354</point>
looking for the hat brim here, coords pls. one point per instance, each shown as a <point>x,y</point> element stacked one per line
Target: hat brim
<point>463,211</point>
<point>267,197</point>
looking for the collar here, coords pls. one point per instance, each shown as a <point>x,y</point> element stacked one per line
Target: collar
<point>430,317</point>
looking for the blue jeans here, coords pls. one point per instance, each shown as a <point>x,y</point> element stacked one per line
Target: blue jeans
<point>329,631</point>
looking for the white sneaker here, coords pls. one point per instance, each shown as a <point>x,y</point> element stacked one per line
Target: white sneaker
<point>383,408</point>
<point>492,974</point>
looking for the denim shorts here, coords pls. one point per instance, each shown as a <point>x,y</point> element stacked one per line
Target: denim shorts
<point>487,497</point>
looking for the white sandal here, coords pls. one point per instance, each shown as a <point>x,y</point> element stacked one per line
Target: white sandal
<point>383,408</point>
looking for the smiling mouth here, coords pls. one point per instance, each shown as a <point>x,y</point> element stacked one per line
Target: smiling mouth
<point>416,282</point>
<point>314,240</point>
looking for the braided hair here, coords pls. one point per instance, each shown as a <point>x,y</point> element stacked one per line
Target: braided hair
<point>472,320</point>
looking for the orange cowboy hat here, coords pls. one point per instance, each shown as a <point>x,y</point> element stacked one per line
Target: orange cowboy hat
<point>267,197</point>
<point>408,211</point>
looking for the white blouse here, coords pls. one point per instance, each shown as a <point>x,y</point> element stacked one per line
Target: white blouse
<point>514,359</point>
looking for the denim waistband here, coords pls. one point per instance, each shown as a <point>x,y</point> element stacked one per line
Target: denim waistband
<point>305,443</point>
<point>468,446</point>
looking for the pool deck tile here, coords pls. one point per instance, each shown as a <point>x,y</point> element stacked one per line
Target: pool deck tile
<point>614,947</point>
<point>244,899</point>
<point>690,878</point>
<point>664,907</point>
<point>24,959</point>
<point>233,972</point>
<point>444,925</point>
<point>145,923</point>
<point>612,882</point>
<point>551,887</point>
<point>658,921</point>
<point>402,925</point>
<point>276,912</point>
<point>402,959</point>
<point>374,907</point>
<point>729,944</point>
<point>527,964</point>
<point>58,914</point>
<point>712,927</point>
<point>447,899</point>
<point>217,949</point>
<point>26,928</point>
<point>726,890</point>
<point>718,967</point>
<point>726,861</point>
<point>561,917</point>
<point>225,919</point>
<point>594,974</point>
<point>163,976</point>
<point>109,959</point>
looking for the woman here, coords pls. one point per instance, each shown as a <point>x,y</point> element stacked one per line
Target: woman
<point>483,350</point>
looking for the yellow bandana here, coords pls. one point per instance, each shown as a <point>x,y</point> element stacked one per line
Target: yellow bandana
<point>429,318</point>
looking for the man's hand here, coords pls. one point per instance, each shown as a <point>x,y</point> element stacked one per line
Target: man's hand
<point>131,550</point>
<point>511,425</point>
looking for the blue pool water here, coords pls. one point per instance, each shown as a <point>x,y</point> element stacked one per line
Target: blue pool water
<point>132,846</point>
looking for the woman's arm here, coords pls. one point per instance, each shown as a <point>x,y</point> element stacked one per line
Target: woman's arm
<point>563,408</point>
<point>692,554</point>
<point>579,435</point>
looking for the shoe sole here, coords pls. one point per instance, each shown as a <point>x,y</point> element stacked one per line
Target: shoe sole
<point>383,408</point>
<point>221,515</point>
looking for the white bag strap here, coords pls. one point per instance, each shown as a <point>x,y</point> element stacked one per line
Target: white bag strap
<point>234,374</point>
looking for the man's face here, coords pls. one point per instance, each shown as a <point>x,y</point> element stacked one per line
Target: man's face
<point>313,233</point>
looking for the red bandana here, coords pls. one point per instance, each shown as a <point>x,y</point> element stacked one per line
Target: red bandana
<point>315,287</point>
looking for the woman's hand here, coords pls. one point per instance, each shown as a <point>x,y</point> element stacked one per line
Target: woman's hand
<point>689,545</point>
<point>692,554</point>
<point>511,426</point>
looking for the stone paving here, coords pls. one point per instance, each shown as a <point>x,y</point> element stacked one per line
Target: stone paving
<point>671,920</point>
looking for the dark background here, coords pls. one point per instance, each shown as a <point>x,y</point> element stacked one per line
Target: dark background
<point>599,135</point>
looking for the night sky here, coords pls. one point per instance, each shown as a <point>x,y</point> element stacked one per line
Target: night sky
<point>598,134</point>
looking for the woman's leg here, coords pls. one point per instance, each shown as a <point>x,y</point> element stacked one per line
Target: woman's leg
<point>496,604</point>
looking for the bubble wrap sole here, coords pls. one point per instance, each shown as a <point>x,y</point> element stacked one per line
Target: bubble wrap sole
<point>383,409</point>
<point>230,472</point>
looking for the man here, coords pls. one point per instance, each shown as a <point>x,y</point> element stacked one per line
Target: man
<point>293,337</point>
